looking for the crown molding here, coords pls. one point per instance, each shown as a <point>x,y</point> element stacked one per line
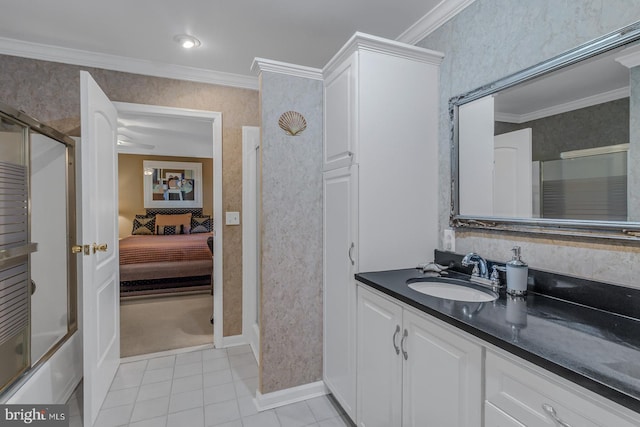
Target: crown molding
<point>434,19</point>
<point>260,65</point>
<point>630,57</point>
<point>121,63</point>
<point>361,41</point>
<point>589,101</point>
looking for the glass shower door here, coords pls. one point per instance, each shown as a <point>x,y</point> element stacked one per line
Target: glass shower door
<point>14,252</point>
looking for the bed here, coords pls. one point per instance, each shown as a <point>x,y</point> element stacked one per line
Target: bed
<point>152,263</point>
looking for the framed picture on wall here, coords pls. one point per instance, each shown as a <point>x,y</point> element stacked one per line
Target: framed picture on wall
<point>172,184</point>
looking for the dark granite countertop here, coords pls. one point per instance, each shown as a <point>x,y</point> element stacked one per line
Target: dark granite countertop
<point>594,348</point>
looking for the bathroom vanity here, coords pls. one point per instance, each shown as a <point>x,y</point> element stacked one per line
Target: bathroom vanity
<point>533,361</point>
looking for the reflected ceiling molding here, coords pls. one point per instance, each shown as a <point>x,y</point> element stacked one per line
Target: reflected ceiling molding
<point>85,58</point>
<point>588,101</point>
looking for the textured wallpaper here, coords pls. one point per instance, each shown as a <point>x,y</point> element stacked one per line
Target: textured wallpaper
<point>50,92</point>
<point>491,39</point>
<point>291,322</point>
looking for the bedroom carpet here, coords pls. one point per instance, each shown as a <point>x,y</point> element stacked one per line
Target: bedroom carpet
<point>159,323</point>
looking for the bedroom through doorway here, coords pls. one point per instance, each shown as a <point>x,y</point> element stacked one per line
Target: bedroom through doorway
<point>167,193</point>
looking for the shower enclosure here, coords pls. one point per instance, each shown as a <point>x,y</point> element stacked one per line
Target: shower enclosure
<point>38,289</point>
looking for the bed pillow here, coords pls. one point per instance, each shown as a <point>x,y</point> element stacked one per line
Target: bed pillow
<point>183,220</point>
<point>169,229</point>
<point>143,225</point>
<point>201,224</point>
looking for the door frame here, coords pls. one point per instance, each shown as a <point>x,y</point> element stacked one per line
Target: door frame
<point>216,123</point>
<point>250,239</point>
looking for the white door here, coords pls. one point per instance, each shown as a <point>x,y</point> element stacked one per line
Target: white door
<point>512,175</point>
<point>100,275</point>
<point>250,238</point>
<point>339,293</point>
<point>380,359</point>
<point>442,384</point>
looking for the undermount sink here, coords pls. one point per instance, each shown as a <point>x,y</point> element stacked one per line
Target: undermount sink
<point>453,290</point>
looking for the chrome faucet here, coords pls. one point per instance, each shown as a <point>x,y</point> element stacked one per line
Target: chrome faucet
<point>479,265</point>
<point>480,273</point>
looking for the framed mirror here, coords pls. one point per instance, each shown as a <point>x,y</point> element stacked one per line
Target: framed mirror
<point>554,148</point>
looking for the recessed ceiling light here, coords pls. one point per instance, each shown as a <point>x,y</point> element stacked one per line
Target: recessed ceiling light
<point>186,41</point>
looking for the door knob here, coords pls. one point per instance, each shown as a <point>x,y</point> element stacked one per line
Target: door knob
<point>76,249</point>
<point>99,248</point>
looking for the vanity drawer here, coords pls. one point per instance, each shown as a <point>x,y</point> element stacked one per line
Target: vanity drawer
<point>530,396</point>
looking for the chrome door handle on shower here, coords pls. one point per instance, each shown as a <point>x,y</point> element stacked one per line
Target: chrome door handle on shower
<point>353,245</point>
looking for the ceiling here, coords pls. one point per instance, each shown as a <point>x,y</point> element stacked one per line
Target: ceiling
<point>138,36</point>
<point>232,32</point>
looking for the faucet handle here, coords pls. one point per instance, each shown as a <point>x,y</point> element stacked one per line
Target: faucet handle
<point>476,271</point>
<point>495,277</point>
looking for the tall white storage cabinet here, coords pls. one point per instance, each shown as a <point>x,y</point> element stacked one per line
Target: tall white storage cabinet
<point>380,181</point>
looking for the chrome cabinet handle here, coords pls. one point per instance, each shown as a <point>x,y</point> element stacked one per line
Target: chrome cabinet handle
<point>353,245</point>
<point>395,334</point>
<point>404,337</point>
<point>550,410</point>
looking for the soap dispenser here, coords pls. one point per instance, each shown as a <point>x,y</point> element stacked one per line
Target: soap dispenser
<point>517,273</point>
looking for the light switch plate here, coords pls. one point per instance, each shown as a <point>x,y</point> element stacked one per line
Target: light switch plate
<point>233,218</point>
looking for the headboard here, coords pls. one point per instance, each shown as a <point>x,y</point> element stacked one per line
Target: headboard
<point>174,211</point>
<point>195,212</point>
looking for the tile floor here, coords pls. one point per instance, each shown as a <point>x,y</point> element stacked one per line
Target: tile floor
<point>203,388</point>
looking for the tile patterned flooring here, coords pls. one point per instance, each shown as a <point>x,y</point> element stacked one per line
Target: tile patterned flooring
<point>203,388</point>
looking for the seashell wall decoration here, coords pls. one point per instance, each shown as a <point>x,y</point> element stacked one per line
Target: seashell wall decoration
<point>292,122</point>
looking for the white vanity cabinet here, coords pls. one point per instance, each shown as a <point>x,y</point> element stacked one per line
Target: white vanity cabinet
<point>518,393</point>
<point>413,370</point>
<point>380,181</point>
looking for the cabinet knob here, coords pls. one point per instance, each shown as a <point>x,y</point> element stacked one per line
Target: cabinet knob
<point>550,410</point>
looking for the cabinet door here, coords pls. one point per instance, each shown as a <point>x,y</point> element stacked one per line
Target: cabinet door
<point>494,417</point>
<point>379,361</point>
<point>340,94</point>
<point>442,383</point>
<point>340,263</point>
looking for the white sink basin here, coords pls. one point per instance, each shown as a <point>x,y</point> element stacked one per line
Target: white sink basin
<point>455,292</point>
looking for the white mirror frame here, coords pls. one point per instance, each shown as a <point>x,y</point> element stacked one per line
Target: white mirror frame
<point>148,185</point>
<point>600,229</point>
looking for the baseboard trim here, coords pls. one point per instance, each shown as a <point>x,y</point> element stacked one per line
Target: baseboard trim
<point>173,352</point>
<point>231,341</point>
<point>289,395</point>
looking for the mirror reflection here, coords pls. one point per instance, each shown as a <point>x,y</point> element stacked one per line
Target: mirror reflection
<point>556,146</point>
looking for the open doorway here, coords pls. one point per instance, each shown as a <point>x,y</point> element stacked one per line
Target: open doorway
<point>168,303</point>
